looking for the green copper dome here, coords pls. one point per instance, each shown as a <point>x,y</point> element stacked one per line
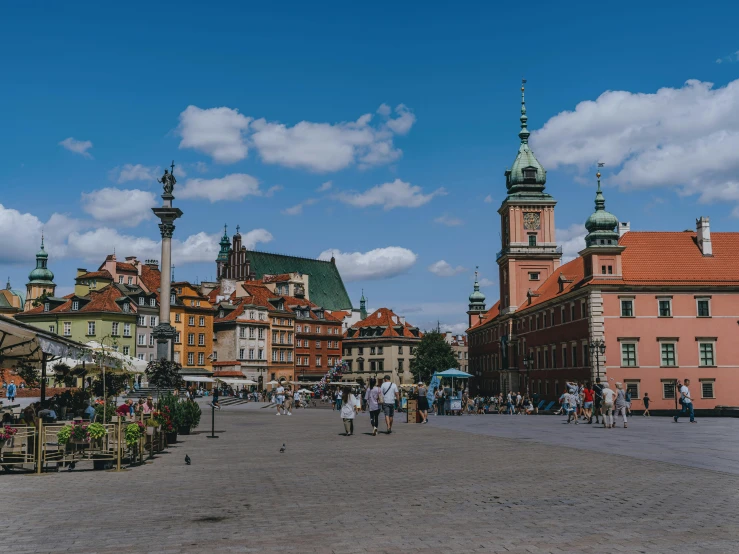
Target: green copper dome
<point>41,274</point>
<point>602,226</point>
<point>477,298</point>
<point>223,254</point>
<point>526,175</point>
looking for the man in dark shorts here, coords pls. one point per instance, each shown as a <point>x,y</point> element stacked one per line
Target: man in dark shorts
<point>598,389</point>
<point>390,394</point>
<point>646,400</point>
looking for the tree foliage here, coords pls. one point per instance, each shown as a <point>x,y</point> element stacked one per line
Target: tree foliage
<point>29,374</point>
<point>433,353</point>
<point>164,374</point>
<point>115,384</point>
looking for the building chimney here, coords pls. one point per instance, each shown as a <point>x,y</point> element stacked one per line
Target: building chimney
<point>703,230</point>
<point>402,320</point>
<point>81,271</point>
<point>623,228</point>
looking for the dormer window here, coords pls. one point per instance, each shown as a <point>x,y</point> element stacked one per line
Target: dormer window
<point>47,306</point>
<point>152,302</point>
<point>529,173</point>
<point>75,305</point>
<point>126,307</point>
<point>142,301</point>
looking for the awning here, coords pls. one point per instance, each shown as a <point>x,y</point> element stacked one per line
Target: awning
<point>457,374</point>
<point>22,342</point>
<point>234,381</point>
<point>197,379</point>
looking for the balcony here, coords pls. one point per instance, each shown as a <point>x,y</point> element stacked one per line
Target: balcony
<point>528,251</point>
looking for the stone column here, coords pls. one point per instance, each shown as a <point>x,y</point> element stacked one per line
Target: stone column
<point>164,332</point>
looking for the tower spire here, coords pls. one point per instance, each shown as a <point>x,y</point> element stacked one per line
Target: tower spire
<point>600,201</point>
<point>524,133</point>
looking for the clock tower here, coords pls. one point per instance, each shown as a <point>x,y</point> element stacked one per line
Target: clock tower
<point>529,253</point>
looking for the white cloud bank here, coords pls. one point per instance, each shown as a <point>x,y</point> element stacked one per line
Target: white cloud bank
<point>122,207</point>
<point>77,146</point>
<point>380,263</point>
<point>572,241</point>
<point>684,138</point>
<point>226,135</point>
<point>442,268</point>
<point>231,187</point>
<point>397,194</point>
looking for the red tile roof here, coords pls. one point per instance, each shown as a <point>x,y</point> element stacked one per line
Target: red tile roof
<point>103,300</point>
<point>276,278</point>
<point>151,278</point>
<point>384,317</point>
<point>104,274</point>
<point>340,315</point>
<point>486,317</point>
<point>124,267</point>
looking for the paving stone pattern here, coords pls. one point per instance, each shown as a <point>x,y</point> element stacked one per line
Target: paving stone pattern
<point>422,489</point>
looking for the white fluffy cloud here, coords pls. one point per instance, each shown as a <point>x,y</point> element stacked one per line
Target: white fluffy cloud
<point>123,207</point>
<point>218,132</point>
<point>325,186</point>
<point>380,263</point>
<point>489,199</point>
<point>138,172</point>
<point>297,209</point>
<point>686,138</point>
<point>442,268</point>
<point>21,234</point>
<point>448,221</point>
<point>77,146</point>
<point>397,194</point>
<point>230,187</point>
<point>572,241</point>
<point>226,135</point>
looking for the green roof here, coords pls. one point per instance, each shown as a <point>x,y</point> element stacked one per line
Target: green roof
<point>325,286</point>
<point>4,303</point>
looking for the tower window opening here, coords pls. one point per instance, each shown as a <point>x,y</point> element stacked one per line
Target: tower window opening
<point>532,240</point>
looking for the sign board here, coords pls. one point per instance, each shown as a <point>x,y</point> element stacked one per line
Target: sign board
<point>412,411</point>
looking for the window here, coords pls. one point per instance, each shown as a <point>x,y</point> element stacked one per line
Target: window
<point>289,355</point>
<point>400,349</point>
<point>242,332</point>
<point>318,361</point>
<point>603,269</point>
<point>153,321</point>
<point>307,328</point>
<point>126,350</point>
<point>360,350</point>
<point>67,328</point>
<point>282,355</point>
<point>274,355</point>
<point>261,333</point>
<point>130,280</point>
<point>704,310</point>
<point>564,356</point>
<point>142,340</point>
<point>120,279</point>
<point>114,328</point>
<point>172,299</point>
<point>201,322</point>
<point>51,329</point>
<point>261,316</point>
<point>533,275</point>
<point>75,305</point>
<point>627,308</point>
<point>126,329</point>
<point>142,301</point>
<point>191,339</point>
<point>151,339</point>
<point>201,339</point>
<point>191,320</point>
<point>190,358</point>
<point>668,390</point>
<point>251,332</point>
<point>252,315</point>
<point>299,328</point>
<point>574,355</point>
<point>665,308</point>
<point>706,354</point>
<point>274,336</point>
<point>667,354</point>
<point>126,307</point>
<point>532,240</point>
<point>572,312</point>
<point>152,302</point>
<point>90,327</point>
<point>177,337</point>
<point>140,357</point>
<point>241,353</point>
<point>707,389</point>
<point>251,353</point>
<point>215,356</point>
<point>632,388</point>
<point>380,349</point>
<point>261,354</point>
<point>372,350</point>
<point>628,354</point>
<point>141,321</point>
<point>177,318</point>
<point>318,328</point>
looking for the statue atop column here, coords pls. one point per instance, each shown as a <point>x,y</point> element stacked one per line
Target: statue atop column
<point>168,181</point>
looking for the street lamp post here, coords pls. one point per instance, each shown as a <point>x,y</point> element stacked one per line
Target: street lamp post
<point>599,347</point>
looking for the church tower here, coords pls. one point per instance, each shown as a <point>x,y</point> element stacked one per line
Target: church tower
<point>477,303</point>
<point>602,253</point>
<point>223,254</point>
<point>529,253</point>
<point>40,280</point>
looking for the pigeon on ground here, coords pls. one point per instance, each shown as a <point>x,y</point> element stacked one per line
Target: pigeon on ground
<point>283,448</point>
<point>187,459</point>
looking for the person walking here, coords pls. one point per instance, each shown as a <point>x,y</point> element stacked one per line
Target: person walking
<point>389,395</point>
<point>621,403</point>
<point>289,401</point>
<point>423,402</point>
<point>608,397</point>
<point>571,403</point>
<point>646,401</point>
<point>374,404</point>
<point>587,404</point>
<point>214,402</point>
<point>509,403</point>
<point>686,401</point>
<point>349,407</point>
<point>280,399</point>
<point>598,402</point>
<point>439,394</point>
<point>10,391</point>
<point>338,399</point>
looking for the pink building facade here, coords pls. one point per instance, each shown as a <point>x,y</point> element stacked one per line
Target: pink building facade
<point>640,308</point>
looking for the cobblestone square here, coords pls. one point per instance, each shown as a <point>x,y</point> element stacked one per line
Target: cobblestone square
<point>465,484</point>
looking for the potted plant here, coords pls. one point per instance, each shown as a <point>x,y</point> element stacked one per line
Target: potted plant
<point>6,436</point>
<point>172,416</point>
<point>96,431</point>
<point>190,416</point>
<point>133,434</point>
<point>153,423</point>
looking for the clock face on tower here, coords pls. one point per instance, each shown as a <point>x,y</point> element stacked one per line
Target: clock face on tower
<point>532,221</point>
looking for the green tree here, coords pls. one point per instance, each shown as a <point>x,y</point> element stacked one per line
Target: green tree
<point>432,354</point>
<point>164,374</point>
<point>29,374</point>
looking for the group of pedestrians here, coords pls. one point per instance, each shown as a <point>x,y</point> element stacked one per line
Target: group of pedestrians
<point>379,397</point>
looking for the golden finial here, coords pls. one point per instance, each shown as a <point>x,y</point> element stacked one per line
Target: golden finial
<point>598,175</point>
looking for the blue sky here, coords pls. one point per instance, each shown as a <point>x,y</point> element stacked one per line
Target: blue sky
<point>134,87</point>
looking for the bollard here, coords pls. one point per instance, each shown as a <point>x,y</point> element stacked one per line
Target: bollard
<point>212,422</point>
<point>118,464</point>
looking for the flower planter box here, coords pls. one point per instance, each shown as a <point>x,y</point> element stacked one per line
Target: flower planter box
<point>184,430</point>
<point>172,437</point>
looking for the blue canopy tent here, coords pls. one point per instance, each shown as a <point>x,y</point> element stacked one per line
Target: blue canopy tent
<point>439,375</point>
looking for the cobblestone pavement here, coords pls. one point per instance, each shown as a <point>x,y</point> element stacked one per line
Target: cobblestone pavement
<point>422,489</point>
